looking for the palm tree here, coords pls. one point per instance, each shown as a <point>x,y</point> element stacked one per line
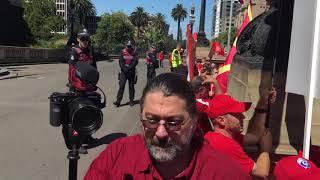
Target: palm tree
<point>84,8</point>
<point>159,22</point>
<point>179,13</point>
<point>139,18</point>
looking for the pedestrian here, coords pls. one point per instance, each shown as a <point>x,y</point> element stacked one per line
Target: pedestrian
<point>152,63</point>
<point>176,58</point>
<point>161,57</point>
<point>128,61</point>
<point>169,147</point>
<point>227,119</point>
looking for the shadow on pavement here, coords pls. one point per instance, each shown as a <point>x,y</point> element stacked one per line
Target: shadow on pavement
<point>107,139</point>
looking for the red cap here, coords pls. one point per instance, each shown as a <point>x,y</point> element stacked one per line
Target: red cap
<point>224,104</point>
<point>296,168</point>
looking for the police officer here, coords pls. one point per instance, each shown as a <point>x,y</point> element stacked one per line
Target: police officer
<point>128,61</point>
<point>152,63</point>
<point>81,52</point>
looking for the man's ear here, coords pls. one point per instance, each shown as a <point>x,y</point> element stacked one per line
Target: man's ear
<point>220,120</point>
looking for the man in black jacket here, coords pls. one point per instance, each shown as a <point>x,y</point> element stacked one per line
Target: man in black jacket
<point>128,61</point>
<point>152,63</point>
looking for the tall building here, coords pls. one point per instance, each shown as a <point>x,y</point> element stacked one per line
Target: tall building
<point>221,14</point>
<point>62,10</point>
<point>258,7</point>
<point>92,24</point>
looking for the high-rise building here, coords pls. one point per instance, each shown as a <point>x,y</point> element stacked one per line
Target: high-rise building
<point>221,14</point>
<point>62,10</point>
<point>258,7</point>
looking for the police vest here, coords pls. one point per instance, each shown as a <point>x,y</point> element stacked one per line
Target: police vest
<point>176,58</point>
<point>82,56</point>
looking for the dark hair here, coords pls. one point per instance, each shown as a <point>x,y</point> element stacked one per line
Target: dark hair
<point>196,84</point>
<point>172,84</point>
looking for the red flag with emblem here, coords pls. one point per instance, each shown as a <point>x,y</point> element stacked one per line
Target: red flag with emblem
<point>224,70</point>
<point>191,53</point>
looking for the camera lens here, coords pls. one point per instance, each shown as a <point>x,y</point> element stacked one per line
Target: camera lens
<point>85,116</point>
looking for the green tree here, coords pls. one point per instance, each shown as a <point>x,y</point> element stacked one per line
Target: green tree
<point>41,18</point>
<point>223,37</point>
<point>83,9</point>
<point>179,13</point>
<point>158,20</point>
<point>113,31</point>
<point>154,35</point>
<point>139,18</point>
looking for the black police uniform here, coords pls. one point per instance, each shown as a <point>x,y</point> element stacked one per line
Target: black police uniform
<point>128,61</point>
<point>77,54</point>
<point>152,64</point>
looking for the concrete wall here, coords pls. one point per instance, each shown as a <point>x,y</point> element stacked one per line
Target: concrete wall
<point>287,114</point>
<point>13,55</point>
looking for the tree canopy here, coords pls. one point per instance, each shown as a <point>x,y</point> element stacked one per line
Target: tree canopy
<point>179,13</point>
<point>113,31</point>
<point>223,37</point>
<point>41,18</point>
<point>139,18</point>
<point>83,9</point>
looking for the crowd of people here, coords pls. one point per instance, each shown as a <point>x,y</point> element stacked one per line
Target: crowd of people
<point>190,130</point>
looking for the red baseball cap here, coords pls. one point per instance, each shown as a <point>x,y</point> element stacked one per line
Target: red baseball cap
<point>224,104</point>
<point>296,168</point>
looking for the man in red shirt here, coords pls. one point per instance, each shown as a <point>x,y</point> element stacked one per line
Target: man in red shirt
<point>161,57</point>
<point>227,117</point>
<point>169,147</point>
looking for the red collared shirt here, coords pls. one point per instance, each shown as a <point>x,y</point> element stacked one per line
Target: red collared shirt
<point>232,148</point>
<point>128,158</point>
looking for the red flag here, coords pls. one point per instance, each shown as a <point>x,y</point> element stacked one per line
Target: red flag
<point>216,48</point>
<point>224,71</point>
<point>191,53</point>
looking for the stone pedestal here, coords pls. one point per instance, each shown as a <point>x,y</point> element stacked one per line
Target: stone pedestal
<point>202,52</point>
<point>247,82</point>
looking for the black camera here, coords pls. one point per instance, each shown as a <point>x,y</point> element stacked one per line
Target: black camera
<point>79,113</point>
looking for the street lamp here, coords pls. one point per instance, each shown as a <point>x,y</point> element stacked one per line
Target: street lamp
<point>192,17</point>
<point>70,12</point>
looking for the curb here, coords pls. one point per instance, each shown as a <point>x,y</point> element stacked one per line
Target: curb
<point>4,72</point>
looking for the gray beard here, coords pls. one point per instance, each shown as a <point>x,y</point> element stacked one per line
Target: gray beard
<point>168,151</point>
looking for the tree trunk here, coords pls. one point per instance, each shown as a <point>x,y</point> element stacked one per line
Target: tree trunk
<point>178,30</point>
<point>138,31</point>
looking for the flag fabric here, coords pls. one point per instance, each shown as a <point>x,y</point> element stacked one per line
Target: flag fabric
<point>224,70</point>
<point>216,48</point>
<point>191,53</point>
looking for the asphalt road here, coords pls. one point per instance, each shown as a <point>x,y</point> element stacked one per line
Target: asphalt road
<point>31,148</point>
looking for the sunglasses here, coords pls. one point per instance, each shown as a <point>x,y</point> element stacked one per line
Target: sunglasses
<point>154,124</point>
<point>84,39</point>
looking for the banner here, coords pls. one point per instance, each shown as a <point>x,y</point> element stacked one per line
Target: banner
<point>191,53</point>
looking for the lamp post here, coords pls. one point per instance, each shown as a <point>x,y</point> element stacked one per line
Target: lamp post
<point>70,20</point>
<point>192,17</point>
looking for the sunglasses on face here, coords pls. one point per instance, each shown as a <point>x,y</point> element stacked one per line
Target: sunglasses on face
<point>171,125</point>
<point>84,39</point>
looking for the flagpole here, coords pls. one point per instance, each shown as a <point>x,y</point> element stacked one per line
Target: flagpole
<point>230,22</point>
<point>313,76</point>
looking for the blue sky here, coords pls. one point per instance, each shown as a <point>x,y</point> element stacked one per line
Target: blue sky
<point>162,6</point>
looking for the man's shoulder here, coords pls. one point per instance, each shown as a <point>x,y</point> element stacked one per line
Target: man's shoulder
<point>135,140</point>
<point>219,164</point>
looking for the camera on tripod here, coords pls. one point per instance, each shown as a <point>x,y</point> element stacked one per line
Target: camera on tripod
<point>79,110</point>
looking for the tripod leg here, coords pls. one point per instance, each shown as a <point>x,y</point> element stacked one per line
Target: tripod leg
<point>73,157</point>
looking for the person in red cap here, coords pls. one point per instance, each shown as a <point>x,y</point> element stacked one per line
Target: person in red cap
<point>296,168</point>
<point>227,118</point>
<point>201,85</point>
